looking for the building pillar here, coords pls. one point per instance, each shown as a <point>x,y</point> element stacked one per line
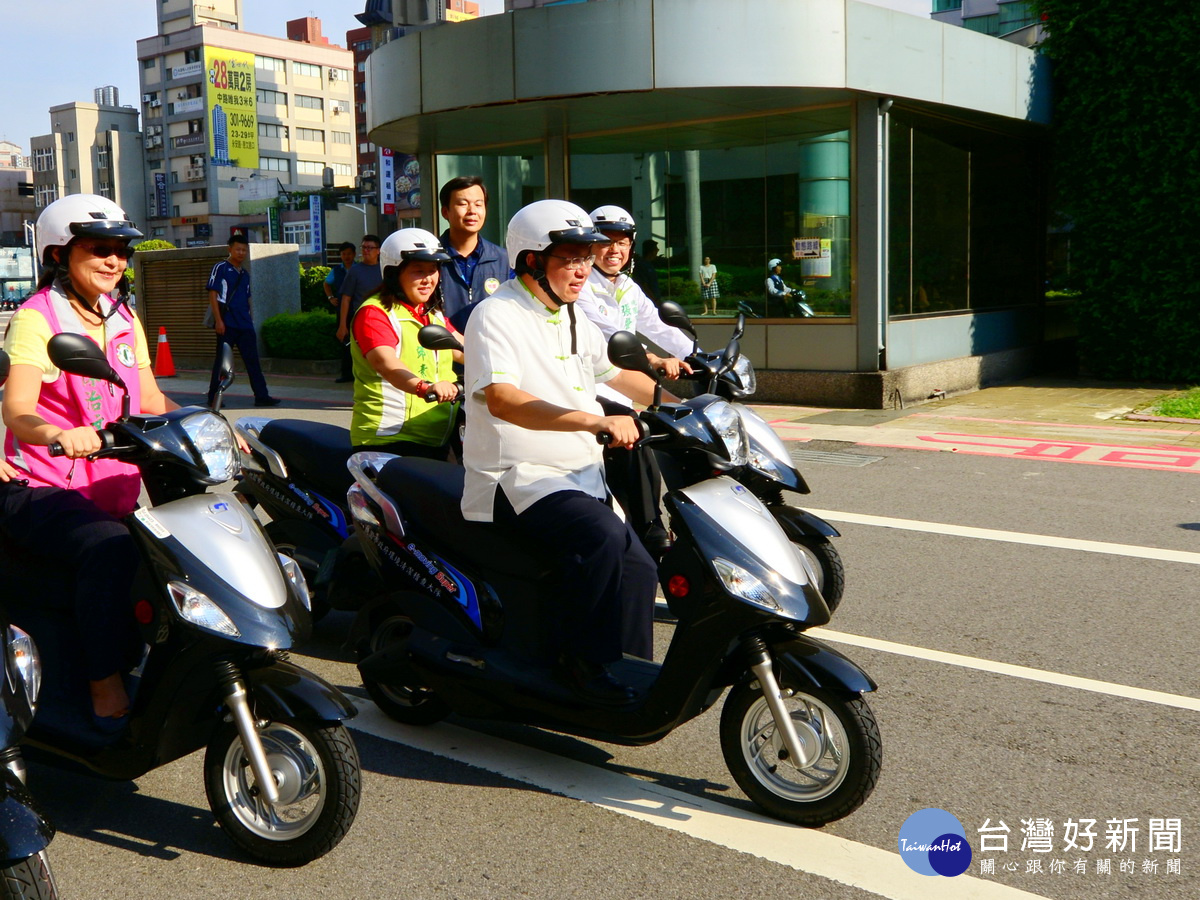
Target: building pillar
<point>870,232</point>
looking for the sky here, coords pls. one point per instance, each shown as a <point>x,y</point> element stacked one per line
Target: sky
<point>92,44</point>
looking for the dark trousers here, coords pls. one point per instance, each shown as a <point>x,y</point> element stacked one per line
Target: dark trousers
<point>246,343</point>
<point>607,601</point>
<point>633,478</point>
<point>65,534</point>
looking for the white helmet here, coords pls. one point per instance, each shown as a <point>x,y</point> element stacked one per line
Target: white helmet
<point>544,223</point>
<point>773,263</point>
<point>409,244</point>
<point>77,215</point>
<point>613,218</point>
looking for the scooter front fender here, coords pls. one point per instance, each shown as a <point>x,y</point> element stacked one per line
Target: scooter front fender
<point>823,667</point>
<point>24,831</point>
<point>797,522</point>
<point>285,691</point>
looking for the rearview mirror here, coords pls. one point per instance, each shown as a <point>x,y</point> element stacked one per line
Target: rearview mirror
<point>79,355</point>
<point>436,337</point>
<point>625,351</point>
<point>673,314</point>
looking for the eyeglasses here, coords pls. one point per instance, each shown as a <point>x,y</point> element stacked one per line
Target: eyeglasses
<point>104,251</point>
<point>574,262</point>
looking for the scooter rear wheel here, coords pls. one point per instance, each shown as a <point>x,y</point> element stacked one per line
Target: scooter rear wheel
<point>410,704</point>
<point>319,780</point>
<point>841,734</point>
<point>29,879</point>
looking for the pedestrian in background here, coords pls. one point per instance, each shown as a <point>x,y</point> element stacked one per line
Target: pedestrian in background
<point>709,289</point>
<point>333,292</point>
<point>233,320</point>
<point>476,266</point>
<point>361,282</point>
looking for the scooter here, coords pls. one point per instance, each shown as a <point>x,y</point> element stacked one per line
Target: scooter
<point>25,832</point>
<point>465,625</point>
<point>769,469</point>
<point>296,472</point>
<point>217,609</point>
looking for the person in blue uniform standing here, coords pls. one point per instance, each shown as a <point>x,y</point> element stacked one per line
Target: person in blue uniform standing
<point>477,267</point>
<point>229,297</point>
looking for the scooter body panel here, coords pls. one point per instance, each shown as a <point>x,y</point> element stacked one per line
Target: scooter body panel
<point>822,666</point>
<point>24,831</point>
<point>287,691</point>
<point>798,523</point>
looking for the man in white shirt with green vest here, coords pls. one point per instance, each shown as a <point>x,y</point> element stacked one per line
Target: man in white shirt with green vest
<point>533,464</point>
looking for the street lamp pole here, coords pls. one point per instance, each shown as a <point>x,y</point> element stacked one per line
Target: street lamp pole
<point>362,209</point>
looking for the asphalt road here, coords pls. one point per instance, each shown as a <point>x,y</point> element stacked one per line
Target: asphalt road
<point>1017,681</point>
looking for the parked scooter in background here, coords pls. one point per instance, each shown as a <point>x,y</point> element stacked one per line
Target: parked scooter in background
<point>769,469</point>
<point>466,625</point>
<point>24,832</point>
<point>217,608</point>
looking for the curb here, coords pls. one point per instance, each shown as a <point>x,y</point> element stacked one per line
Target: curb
<point>1141,417</point>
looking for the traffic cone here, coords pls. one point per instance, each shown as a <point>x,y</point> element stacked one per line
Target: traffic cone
<point>164,366</point>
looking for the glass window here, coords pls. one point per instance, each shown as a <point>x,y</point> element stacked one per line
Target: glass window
<point>272,98</point>
<point>1015,15</point>
<point>306,69</point>
<point>303,101</point>
<point>298,233</point>
<point>738,193</point>
<point>268,63</point>
<point>273,164</point>
<point>960,203</point>
<point>514,179</point>
<point>310,134</point>
<point>309,167</point>
<point>270,130</point>
<point>342,168</point>
<point>984,24</point>
<point>341,137</point>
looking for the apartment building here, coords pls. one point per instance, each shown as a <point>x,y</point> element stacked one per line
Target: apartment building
<point>1012,20</point>
<point>91,149</point>
<point>236,121</point>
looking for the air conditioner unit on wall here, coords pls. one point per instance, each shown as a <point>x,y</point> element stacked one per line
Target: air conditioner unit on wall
<point>155,103</point>
<point>146,98</point>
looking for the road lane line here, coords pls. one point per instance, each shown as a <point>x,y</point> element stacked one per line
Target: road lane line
<point>1179,701</point>
<point>859,865</point>
<point>1011,537</point>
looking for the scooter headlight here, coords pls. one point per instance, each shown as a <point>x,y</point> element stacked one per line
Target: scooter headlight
<point>198,609</point>
<point>742,584</point>
<point>766,450</point>
<point>745,373</point>
<point>25,666</point>
<point>213,440</point>
<point>295,577</point>
<point>728,423</point>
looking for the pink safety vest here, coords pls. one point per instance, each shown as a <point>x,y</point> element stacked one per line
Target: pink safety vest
<point>71,401</point>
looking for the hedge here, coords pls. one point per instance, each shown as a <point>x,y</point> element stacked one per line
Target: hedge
<point>303,335</point>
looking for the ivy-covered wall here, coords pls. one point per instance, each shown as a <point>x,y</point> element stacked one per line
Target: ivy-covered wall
<point>1127,179</point>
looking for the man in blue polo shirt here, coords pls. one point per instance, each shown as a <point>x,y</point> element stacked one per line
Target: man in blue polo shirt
<point>477,266</point>
<point>229,297</point>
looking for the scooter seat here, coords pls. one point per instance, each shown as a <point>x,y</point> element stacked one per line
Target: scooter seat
<point>314,451</point>
<point>429,496</point>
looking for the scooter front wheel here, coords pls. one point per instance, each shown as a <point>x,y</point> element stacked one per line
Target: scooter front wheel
<point>839,735</point>
<point>29,879</point>
<point>317,775</point>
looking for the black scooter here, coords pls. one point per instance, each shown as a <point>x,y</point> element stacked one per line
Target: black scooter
<point>218,609</point>
<point>24,832</point>
<point>464,627</point>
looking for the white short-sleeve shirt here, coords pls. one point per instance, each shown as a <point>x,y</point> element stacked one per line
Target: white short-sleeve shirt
<point>513,338</point>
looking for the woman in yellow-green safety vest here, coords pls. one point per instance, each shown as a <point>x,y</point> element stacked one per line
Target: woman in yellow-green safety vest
<point>393,373</point>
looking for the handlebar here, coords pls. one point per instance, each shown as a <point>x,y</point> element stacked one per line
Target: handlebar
<point>107,442</point>
<point>431,395</point>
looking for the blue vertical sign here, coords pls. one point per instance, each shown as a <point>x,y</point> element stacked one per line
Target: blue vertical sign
<point>316,221</point>
<point>160,195</point>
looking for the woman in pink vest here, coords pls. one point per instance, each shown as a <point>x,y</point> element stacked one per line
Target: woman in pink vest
<point>66,511</point>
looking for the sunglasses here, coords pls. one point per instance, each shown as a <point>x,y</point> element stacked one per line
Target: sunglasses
<point>104,251</point>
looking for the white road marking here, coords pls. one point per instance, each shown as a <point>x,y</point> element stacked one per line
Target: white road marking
<point>1179,701</point>
<point>861,866</point>
<point>1012,537</point>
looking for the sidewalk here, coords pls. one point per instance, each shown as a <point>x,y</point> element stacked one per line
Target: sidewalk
<point>1036,409</point>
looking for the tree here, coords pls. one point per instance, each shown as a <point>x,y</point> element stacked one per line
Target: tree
<point>1126,145</point>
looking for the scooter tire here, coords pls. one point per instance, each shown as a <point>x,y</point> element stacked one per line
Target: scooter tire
<point>840,779</point>
<point>409,704</point>
<point>828,563</point>
<point>304,754</point>
<point>29,879</point>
